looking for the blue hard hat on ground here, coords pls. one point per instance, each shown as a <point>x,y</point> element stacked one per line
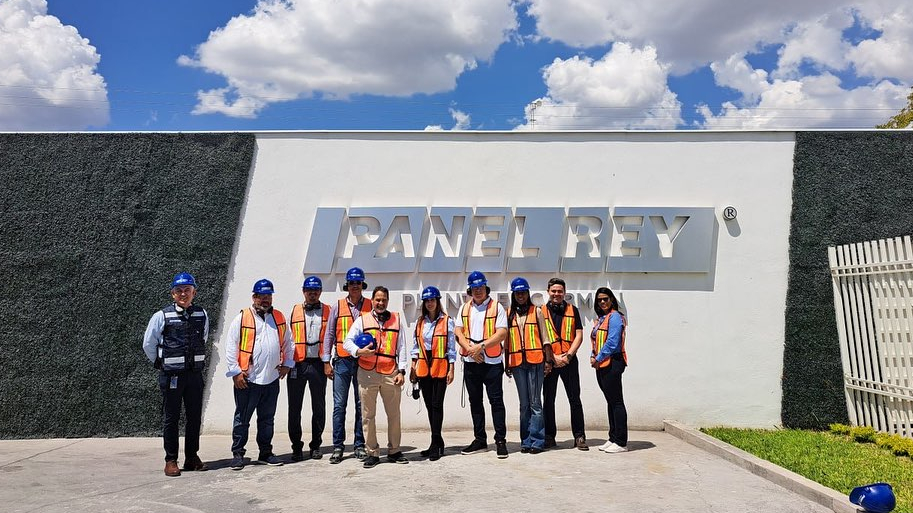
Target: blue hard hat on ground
<point>518,284</point>
<point>364,340</point>
<point>476,279</point>
<point>431,292</point>
<point>876,497</point>
<point>355,274</point>
<point>312,283</point>
<point>183,279</point>
<point>263,286</point>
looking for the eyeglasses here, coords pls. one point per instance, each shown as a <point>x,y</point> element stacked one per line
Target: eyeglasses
<point>603,300</point>
<point>354,282</point>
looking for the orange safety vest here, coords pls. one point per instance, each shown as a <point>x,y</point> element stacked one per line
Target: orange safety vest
<point>299,331</point>
<point>565,339</point>
<point>386,337</point>
<point>526,344</point>
<point>249,335</point>
<point>602,333</point>
<point>491,315</point>
<point>344,320</point>
<point>433,364</point>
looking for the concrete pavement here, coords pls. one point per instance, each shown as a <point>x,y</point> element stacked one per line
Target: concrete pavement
<point>660,473</point>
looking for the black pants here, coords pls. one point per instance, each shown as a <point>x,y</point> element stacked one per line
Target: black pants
<point>609,380</point>
<point>188,389</point>
<point>570,376</point>
<point>433,390</point>
<point>478,375</point>
<point>307,373</point>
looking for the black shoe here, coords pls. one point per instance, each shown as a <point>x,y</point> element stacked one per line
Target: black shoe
<point>316,454</point>
<point>550,442</point>
<point>397,457</point>
<point>361,453</point>
<point>474,447</point>
<point>502,450</point>
<point>237,462</point>
<point>580,443</point>
<point>270,459</point>
<point>298,455</point>
<point>337,456</point>
<point>535,450</point>
<point>429,451</point>
<point>371,461</point>
<point>436,454</point>
<point>524,450</point>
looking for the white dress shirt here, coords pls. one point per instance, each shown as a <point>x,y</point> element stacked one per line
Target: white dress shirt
<point>401,353</point>
<point>263,368</point>
<point>477,325</point>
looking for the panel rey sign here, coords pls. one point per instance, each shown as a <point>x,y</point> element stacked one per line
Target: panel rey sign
<point>522,239</point>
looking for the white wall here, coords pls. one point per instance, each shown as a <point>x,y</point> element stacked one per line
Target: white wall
<point>704,348</point>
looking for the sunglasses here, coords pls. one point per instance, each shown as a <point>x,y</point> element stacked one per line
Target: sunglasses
<point>603,300</point>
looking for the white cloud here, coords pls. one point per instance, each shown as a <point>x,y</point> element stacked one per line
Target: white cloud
<point>816,101</point>
<point>287,49</point>
<point>48,78</point>
<point>819,42</point>
<point>625,89</point>
<point>889,54</point>
<point>461,122</point>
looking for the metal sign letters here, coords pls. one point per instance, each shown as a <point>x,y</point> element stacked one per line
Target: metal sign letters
<point>525,239</point>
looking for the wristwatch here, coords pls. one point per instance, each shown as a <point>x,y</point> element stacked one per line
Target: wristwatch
<point>402,372</point>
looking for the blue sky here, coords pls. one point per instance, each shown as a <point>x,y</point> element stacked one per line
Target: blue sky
<point>452,64</point>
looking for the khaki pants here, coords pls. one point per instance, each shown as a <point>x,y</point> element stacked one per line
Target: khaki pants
<point>369,384</point>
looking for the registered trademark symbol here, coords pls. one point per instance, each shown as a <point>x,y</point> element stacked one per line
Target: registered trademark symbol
<point>730,213</point>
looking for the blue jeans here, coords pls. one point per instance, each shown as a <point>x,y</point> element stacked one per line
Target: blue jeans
<point>259,398</point>
<point>345,374</point>
<point>529,379</point>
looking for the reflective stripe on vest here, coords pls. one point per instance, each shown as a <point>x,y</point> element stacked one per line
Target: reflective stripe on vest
<point>344,322</point>
<point>299,331</point>
<point>524,344</point>
<point>602,334</point>
<point>565,339</point>
<point>386,337</point>
<point>488,327</point>
<point>433,364</point>
<point>249,336</point>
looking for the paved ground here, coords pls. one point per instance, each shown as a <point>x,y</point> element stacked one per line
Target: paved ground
<point>660,473</point>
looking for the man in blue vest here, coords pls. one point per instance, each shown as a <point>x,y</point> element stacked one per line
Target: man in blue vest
<point>175,342</point>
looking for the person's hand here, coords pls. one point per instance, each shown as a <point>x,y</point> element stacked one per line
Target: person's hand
<point>548,368</point>
<point>328,369</point>
<point>593,362</point>
<point>399,379</point>
<point>412,376</point>
<point>450,376</point>
<point>561,360</point>
<point>475,349</point>
<point>365,351</point>
<point>240,380</point>
<point>283,371</point>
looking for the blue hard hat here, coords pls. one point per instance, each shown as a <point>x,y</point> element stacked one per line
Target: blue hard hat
<point>477,279</point>
<point>876,497</point>
<point>263,286</point>
<point>312,283</point>
<point>518,284</point>
<point>183,279</point>
<point>364,340</point>
<point>355,274</point>
<point>431,292</point>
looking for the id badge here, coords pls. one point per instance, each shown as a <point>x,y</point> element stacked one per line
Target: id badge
<point>174,382</point>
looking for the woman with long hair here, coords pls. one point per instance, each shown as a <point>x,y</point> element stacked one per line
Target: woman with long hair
<point>610,360</point>
<point>433,357</point>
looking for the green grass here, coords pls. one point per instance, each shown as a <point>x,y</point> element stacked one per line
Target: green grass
<point>835,461</point>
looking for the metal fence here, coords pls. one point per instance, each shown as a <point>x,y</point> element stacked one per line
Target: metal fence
<point>873,301</point>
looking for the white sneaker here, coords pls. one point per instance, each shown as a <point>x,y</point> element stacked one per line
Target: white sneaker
<point>615,449</point>
<point>606,445</point>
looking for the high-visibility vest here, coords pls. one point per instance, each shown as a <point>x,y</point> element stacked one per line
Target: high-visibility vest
<point>182,347</point>
<point>433,363</point>
<point>524,344</point>
<point>491,315</point>
<point>561,341</point>
<point>299,331</point>
<point>385,341</point>
<point>602,333</point>
<point>249,336</point>
<point>344,320</point>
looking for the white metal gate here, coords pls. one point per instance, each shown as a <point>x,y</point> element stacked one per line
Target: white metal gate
<point>873,300</point>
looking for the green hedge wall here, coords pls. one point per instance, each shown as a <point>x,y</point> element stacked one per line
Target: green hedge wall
<point>847,187</point>
<point>93,227</point>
